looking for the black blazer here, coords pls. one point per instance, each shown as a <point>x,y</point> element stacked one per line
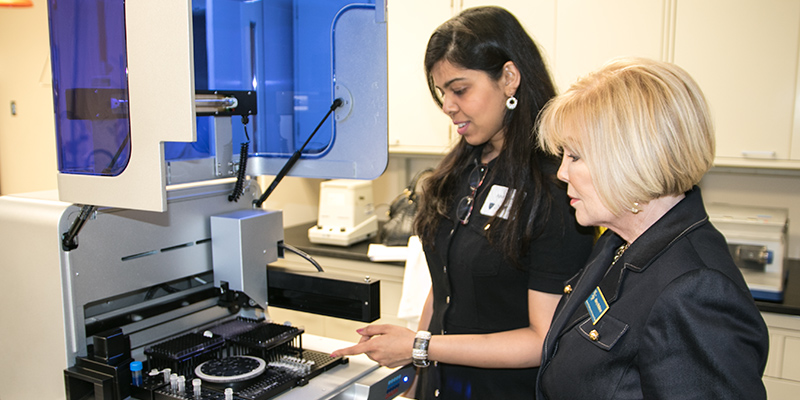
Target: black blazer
<point>681,323</point>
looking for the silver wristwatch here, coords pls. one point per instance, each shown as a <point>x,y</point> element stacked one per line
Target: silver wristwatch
<point>419,354</point>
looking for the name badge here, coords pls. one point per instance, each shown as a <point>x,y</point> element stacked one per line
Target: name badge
<point>596,304</point>
<point>494,199</point>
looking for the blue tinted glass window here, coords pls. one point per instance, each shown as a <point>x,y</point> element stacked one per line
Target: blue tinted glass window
<point>282,50</point>
<point>90,86</point>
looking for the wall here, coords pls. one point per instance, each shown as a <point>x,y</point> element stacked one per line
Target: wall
<point>28,158</point>
<point>27,141</point>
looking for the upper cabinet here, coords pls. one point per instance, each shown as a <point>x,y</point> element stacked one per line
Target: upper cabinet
<point>590,32</point>
<point>416,124</point>
<point>537,17</point>
<point>744,56</point>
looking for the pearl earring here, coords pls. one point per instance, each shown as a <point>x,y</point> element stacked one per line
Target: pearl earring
<point>635,209</point>
<point>511,103</point>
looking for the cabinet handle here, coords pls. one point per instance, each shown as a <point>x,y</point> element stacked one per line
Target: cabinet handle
<point>760,154</point>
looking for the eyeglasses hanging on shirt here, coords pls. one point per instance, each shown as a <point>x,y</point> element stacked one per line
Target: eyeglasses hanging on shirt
<point>465,205</point>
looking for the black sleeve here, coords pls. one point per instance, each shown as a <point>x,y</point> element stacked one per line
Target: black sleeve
<point>561,250</point>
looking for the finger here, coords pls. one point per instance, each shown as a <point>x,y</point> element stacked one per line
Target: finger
<point>372,330</point>
<point>349,351</point>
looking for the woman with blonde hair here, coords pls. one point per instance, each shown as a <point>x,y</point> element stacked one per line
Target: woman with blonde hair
<point>660,310</point>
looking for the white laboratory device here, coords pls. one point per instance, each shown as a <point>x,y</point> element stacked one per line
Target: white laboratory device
<point>346,213</point>
<point>756,238</point>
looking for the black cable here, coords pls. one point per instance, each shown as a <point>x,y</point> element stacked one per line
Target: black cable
<point>292,160</point>
<point>238,189</point>
<point>301,253</point>
<point>116,156</point>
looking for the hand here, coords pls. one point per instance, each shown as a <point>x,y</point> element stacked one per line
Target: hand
<point>388,345</point>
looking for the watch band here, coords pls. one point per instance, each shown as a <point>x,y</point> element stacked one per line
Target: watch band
<point>419,354</point>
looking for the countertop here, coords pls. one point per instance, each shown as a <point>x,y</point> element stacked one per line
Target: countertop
<point>298,237</point>
<point>791,293</point>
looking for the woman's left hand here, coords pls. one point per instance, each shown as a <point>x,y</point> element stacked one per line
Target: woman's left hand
<point>388,345</point>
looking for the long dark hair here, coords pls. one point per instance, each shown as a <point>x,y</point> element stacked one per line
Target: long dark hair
<point>485,38</point>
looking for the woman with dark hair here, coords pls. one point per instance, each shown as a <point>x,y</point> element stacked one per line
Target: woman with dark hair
<point>496,227</point>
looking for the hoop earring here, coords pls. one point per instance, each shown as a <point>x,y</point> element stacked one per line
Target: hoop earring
<point>511,103</point>
<point>635,209</point>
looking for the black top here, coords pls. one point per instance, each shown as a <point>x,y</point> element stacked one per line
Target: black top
<point>680,322</point>
<point>476,290</point>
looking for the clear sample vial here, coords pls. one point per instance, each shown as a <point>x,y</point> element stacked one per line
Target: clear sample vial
<point>228,394</point>
<point>136,373</point>
<point>181,384</point>
<point>197,386</point>
<point>173,383</point>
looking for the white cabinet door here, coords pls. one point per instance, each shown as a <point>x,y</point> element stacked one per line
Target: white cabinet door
<point>578,36</point>
<point>416,124</point>
<point>782,375</point>
<point>744,56</point>
<point>589,33</point>
<point>538,17</point>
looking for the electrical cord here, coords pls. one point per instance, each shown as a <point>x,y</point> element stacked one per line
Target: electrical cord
<point>301,253</point>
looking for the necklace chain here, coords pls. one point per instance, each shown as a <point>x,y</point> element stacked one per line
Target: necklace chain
<point>620,252</point>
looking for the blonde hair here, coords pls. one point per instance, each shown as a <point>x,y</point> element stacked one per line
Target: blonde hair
<point>642,126</point>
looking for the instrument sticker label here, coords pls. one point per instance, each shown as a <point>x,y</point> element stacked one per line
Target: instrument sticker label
<point>596,304</point>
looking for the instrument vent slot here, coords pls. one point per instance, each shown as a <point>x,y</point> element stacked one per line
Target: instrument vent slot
<point>180,246</point>
<point>140,255</point>
<point>165,249</point>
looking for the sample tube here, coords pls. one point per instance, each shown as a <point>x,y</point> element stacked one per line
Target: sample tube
<point>181,384</point>
<point>228,394</point>
<point>167,372</point>
<point>173,383</point>
<point>197,385</point>
<point>136,373</point>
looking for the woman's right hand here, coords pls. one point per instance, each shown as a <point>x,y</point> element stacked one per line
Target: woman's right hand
<point>388,345</point>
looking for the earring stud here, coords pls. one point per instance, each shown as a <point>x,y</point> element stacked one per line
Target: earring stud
<point>511,103</point>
